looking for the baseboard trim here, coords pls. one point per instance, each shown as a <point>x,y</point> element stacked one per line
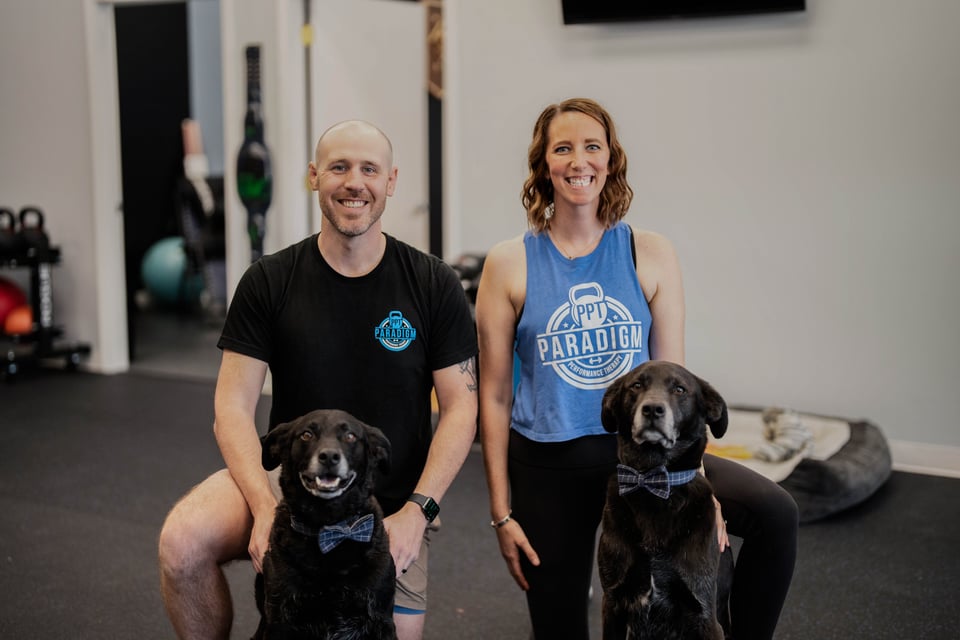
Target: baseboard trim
<point>929,459</point>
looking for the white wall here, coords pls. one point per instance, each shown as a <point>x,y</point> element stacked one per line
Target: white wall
<point>206,95</point>
<point>246,22</point>
<point>807,167</point>
<point>45,156</point>
<point>277,26</point>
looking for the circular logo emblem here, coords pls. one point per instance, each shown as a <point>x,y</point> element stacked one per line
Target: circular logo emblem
<point>590,340</point>
<point>395,332</point>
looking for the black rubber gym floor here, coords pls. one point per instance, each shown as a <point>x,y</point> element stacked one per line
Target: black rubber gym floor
<point>91,464</point>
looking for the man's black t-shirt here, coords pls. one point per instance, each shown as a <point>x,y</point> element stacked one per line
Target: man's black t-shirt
<point>367,345</point>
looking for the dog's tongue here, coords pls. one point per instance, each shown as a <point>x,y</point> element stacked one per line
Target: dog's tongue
<point>328,483</point>
<point>326,486</point>
<point>334,482</point>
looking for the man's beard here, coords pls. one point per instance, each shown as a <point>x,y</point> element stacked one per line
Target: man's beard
<point>355,227</point>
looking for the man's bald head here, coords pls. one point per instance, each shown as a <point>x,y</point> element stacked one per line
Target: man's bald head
<point>353,128</point>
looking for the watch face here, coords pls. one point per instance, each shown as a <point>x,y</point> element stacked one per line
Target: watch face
<point>428,505</point>
<point>430,509</point>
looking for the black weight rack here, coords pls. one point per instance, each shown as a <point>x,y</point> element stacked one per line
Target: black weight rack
<point>41,345</point>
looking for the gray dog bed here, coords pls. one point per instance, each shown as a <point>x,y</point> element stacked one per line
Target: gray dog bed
<point>843,463</point>
<point>851,475</point>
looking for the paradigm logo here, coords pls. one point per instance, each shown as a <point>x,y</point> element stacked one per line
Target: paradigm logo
<point>395,332</point>
<point>591,339</point>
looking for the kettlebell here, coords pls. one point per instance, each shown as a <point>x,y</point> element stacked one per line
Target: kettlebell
<point>32,234</point>
<point>9,241</point>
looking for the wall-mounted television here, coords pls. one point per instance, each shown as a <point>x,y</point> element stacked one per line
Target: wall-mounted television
<point>595,11</point>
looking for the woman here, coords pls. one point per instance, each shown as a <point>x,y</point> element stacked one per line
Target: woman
<point>582,298</point>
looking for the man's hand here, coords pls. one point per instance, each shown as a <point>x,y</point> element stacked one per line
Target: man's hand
<point>405,531</point>
<point>260,540</point>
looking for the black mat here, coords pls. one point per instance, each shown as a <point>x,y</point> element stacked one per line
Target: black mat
<point>92,463</point>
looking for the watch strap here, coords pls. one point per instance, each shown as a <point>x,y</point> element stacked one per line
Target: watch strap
<point>428,505</point>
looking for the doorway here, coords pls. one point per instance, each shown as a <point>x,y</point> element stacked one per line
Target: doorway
<point>167,330</point>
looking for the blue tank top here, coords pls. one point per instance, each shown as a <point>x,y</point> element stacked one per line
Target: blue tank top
<point>585,323</point>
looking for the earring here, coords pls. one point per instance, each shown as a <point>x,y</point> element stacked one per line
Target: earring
<point>548,211</point>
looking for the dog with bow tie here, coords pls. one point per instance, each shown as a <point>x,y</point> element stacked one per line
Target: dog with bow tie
<point>328,572</point>
<point>659,558</point>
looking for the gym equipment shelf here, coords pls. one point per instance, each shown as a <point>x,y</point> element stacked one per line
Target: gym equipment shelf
<point>40,345</point>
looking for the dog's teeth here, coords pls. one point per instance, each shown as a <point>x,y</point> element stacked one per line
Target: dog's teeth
<point>327,487</point>
<point>328,483</point>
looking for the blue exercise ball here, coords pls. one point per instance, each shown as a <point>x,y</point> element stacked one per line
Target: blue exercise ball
<point>166,274</point>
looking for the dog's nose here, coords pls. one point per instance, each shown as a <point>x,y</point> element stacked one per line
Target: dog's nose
<point>329,456</point>
<point>653,411</point>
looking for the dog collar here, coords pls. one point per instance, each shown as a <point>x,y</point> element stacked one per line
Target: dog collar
<point>657,481</point>
<point>328,537</point>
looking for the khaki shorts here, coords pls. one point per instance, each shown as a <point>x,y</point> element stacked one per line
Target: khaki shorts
<point>411,595</point>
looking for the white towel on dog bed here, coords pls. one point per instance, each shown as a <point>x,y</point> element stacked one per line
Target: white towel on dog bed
<point>746,435</point>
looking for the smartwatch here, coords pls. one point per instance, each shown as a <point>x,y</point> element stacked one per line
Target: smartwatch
<point>428,505</point>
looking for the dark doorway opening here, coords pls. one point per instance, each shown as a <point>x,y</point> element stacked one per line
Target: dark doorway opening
<point>154,98</point>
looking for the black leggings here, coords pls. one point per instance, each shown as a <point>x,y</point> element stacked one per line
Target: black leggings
<point>557,495</point>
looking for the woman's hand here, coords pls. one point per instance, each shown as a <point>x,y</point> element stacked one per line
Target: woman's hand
<point>513,541</point>
<point>722,537</point>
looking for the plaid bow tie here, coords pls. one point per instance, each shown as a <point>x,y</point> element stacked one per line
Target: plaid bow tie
<point>360,530</point>
<point>657,480</point>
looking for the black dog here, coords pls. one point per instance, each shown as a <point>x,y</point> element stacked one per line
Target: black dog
<point>659,558</point>
<point>328,572</point>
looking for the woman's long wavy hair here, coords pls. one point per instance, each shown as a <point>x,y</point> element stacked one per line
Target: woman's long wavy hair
<point>537,195</point>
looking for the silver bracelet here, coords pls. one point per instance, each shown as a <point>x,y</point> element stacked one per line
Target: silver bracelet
<point>496,524</point>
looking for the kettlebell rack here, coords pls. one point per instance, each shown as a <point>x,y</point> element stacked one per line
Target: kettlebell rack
<point>41,344</point>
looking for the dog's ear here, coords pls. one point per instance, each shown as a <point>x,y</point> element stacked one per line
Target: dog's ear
<point>272,445</point>
<point>380,449</point>
<point>716,409</point>
<point>610,409</point>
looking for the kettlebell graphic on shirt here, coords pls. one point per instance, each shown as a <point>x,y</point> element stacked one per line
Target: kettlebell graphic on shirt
<point>591,339</point>
<point>395,332</point>
<point>587,306</point>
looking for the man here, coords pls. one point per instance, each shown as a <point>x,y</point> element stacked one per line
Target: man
<point>350,319</point>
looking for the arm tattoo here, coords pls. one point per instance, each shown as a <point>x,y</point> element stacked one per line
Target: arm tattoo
<point>469,368</point>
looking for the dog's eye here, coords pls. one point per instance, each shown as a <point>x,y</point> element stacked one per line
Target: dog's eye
<point>306,436</point>
<point>349,437</point>
<point>679,390</point>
